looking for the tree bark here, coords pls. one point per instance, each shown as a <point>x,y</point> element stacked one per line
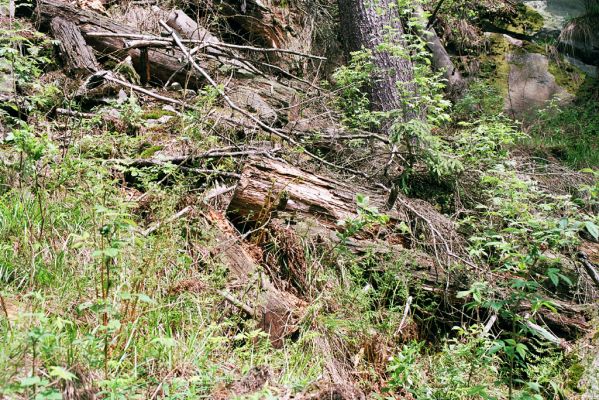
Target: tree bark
<point>78,56</point>
<point>370,25</point>
<point>162,64</point>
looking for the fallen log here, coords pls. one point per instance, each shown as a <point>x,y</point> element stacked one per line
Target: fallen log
<point>276,311</point>
<point>163,65</point>
<point>277,196</point>
<point>189,29</point>
<point>77,55</point>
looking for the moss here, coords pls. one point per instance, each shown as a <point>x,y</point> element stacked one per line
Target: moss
<point>567,76</point>
<point>494,66</point>
<point>155,113</point>
<point>527,21</point>
<point>150,151</point>
<point>575,374</point>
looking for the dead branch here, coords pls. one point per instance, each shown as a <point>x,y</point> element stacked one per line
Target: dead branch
<point>174,217</point>
<point>179,160</point>
<point>256,120</point>
<point>589,267</point>
<point>110,77</point>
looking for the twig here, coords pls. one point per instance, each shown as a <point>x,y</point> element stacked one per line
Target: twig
<point>265,50</point>
<point>211,172</point>
<point>137,43</point>
<point>489,325</point>
<point>177,160</point>
<point>237,303</point>
<point>172,218</point>
<point>219,46</point>
<point>406,310</point>
<point>139,89</point>
<point>217,192</point>
<point>72,113</point>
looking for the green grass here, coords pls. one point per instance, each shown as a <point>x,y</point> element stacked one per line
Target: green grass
<point>569,133</point>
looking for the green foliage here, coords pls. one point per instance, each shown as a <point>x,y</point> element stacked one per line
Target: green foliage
<point>368,216</point>
<point>463,368</point>
<point>567,132</point>
<point>521,223</point>
<point>479,100</point>
<point>352,82</point>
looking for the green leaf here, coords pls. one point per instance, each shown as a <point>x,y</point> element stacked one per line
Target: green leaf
<point>61,373</point>
<point>521,349</point>
<point>30,381</point>
<point>592,229</point>
<point>553,274</point>
<point>111,252</point>
<point>145,298</point>
<point>566,279</point>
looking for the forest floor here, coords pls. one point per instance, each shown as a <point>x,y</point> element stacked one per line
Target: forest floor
<point>225,241</point>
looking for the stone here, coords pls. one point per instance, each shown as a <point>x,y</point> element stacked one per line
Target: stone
<point>531,85</point>
<point>7,80</point>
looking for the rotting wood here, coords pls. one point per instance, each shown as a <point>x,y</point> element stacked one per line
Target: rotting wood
<point>277,312</point>
<point>77,55</point>
<point>313,206</point>
<point>163,64</point>
<point>189,29</point>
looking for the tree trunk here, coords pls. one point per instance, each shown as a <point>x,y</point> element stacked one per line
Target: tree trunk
<point>78,56</point>
<point>162,64</point>
<point>370,25</point>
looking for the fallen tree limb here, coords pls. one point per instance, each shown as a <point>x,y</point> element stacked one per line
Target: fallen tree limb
<point>77,55</point>
<point>110,77</point>
<point>246,114</point>
<point>174,217</point>
<point>190,158</point>
<point>589,267</point>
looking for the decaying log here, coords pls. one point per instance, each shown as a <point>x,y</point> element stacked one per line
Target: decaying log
<point>289,202</point>
<point>274,193</point>
<point>78,56</point>
<point>281,187</point>
<point>188,28</point>
<point>162,64</point>
<point>258,19</point>
<point>276,311</point>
